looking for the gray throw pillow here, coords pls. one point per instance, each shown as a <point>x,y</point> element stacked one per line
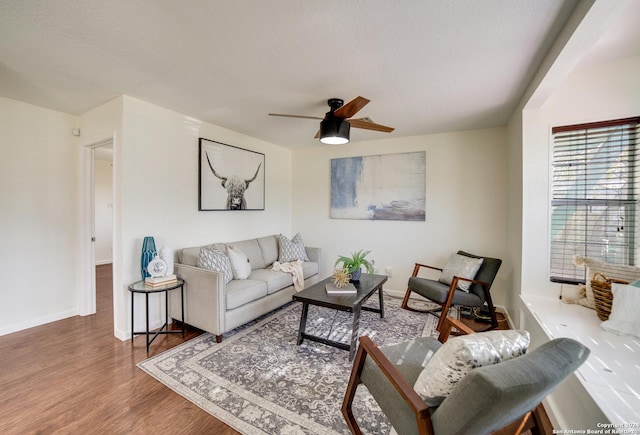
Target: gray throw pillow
<point>212,258</point>
<point>292,250</point>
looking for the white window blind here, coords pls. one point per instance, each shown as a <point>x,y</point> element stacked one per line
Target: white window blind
<point>594,198</point>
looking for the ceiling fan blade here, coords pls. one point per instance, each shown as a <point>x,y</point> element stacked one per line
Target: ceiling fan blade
<point>295,116</point>
<point>368,125</point>
<point>317,136</point>
<point>351,108</point>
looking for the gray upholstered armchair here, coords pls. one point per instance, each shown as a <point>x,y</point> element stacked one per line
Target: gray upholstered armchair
<point>447,295</point>
<point>495,398</point>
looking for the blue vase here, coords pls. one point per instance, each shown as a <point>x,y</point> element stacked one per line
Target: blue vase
<point>355,275</point>
<point>148,253</point>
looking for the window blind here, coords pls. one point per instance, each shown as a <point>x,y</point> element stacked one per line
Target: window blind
<point>594,195</point>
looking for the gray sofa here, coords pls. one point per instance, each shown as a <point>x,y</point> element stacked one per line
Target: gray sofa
<point>216,307</point>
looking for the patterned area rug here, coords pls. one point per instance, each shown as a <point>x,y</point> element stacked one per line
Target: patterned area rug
<point>259,381</point>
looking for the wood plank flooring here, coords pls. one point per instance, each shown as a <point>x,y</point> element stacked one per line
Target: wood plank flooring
<point>73,376</point>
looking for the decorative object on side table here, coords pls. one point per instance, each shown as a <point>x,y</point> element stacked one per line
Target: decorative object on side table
<point>166,253</point>
<point>148,253</point>
<point>158,270</point>
<point>354,263</point>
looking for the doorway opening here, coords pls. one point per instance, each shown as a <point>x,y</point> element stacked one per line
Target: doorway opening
<point>102,236</point>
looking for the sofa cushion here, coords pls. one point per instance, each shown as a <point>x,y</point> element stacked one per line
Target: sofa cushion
<point>242,291</point>
<point>292,250</point>
<point>212,258</point>
<point>189,256</point>
<point>269,247</point>
<point>252,251</point>
<point>310,268</point>
<point>275,281</point>
<point>240,264</point>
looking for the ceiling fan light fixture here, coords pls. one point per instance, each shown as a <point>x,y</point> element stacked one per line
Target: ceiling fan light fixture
<point>334,131</point>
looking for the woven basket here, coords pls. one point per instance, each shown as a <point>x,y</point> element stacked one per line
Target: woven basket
<point>601,287</point>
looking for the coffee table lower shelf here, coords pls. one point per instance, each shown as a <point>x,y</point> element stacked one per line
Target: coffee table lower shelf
<point>316,295</point>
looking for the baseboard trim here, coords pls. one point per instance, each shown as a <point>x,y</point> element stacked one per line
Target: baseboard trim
<point>31,323</point>
<point>103,262</point>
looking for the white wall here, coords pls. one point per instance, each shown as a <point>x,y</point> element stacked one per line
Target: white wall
<point>39,216</point>
<point>515,218</point>
<point>466,205</point>
<point>596,93</point>
<point>159,187</point>
<point>103,206</point>
<point>155,193</point>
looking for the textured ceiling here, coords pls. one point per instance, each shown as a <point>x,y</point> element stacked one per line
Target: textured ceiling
<point>427,65</point>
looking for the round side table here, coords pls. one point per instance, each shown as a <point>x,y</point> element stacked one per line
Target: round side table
<point>141,288</point>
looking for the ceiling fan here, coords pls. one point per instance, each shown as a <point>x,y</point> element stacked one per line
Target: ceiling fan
<point>336,124</point>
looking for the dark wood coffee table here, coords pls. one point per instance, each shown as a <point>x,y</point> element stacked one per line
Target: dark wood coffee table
<point>317,295</point>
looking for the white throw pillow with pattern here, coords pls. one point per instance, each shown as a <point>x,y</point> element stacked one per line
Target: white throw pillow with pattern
<point>459,355</point>
<point>292,250</point>
<point>212,258</point>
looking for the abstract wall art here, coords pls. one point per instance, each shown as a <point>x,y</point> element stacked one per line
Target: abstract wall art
<point>380,187</point>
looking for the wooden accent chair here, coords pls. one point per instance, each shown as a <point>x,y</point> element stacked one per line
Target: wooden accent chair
<point>447,295</point>
<point>503,398</point>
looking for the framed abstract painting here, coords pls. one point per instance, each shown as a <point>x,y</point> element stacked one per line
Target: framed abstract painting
<point>380,187</point>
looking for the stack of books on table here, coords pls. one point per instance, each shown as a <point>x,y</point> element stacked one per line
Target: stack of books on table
<point>159,281</point>
<point>349,289</point>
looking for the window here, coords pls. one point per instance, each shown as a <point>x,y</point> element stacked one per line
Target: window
<point>594,195</point>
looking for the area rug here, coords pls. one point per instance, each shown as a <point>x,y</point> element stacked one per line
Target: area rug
<point>258,380</point>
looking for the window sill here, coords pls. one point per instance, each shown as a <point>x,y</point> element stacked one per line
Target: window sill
<point>611,374</point>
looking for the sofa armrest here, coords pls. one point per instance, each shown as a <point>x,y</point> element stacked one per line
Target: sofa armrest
<point>204,298</point>
<point>313,253</point>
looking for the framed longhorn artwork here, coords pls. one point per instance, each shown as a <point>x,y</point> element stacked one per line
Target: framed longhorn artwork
<point>229,178</point>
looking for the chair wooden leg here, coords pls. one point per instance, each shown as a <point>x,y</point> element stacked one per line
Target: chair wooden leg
<point>492,309</point>
<point>447,303</point>
<point>405,301</point>
<point>517,427</point>
<point>352,386</point>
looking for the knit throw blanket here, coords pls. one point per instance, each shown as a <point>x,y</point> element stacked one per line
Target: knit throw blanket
<point>295,269</point>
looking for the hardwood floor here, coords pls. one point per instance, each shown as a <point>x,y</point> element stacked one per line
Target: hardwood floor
<point>73,376</point>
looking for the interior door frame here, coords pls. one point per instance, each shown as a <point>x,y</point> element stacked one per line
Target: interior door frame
<point>87,294</point>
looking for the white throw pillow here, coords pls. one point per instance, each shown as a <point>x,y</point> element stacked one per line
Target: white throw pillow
<point>462,267</point>
<point>292,250</point>
<point>459,355</point>
<point>624,318</point>
<point>240,264</point>
<point>212,258</point>
<point>618,271</point>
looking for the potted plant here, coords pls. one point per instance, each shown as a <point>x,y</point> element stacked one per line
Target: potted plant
<point>354,263</point>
